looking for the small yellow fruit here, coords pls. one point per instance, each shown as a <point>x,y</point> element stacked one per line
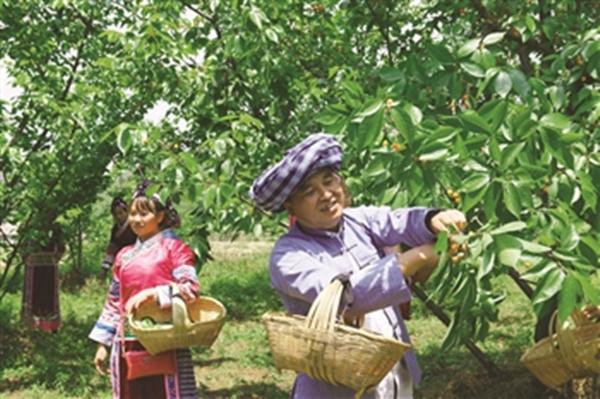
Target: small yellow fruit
<point>454,247</point>
<point>397,147</point>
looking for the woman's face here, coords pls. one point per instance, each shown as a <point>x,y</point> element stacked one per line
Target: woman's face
<point>318,202</point>
<point>144,223</point>
<point>120,214</point>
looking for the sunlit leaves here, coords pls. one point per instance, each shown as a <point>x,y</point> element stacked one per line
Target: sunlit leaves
<point>503,84</point>
<point>493,38</point>
<point>555,121</point>
<point>568,296</point>
<point>468,48</point>
<point>548,285</point>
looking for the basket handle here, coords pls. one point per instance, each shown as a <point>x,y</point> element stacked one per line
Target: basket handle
<point>579,320</point>
<point>323,311</point>
<point>179,310</point>
<point>562,341</point>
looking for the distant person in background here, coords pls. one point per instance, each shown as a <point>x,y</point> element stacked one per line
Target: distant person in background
<point>331,240</point>
<point>121,234</point>
<point>144,272</point>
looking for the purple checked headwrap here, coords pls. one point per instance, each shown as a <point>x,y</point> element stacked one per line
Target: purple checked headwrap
<point>275,184</point>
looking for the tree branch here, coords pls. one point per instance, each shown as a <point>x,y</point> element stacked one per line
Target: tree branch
<point>438,312</point>
<point>212,20</point>
<point>542,14</point>
<point>384,32</point>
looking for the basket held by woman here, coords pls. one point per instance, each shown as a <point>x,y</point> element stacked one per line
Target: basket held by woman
<point>330,351</point>
<point>197,323</point>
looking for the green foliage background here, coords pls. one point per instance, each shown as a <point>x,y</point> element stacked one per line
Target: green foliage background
<point>495,100</point>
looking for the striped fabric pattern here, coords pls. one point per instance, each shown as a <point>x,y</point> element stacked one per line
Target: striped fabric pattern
<point>273,187</point>
<point>187,381</point>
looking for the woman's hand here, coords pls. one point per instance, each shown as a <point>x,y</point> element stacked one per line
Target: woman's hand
<point>149,294</point>
<point>444,219</point>
<point>100,359</point>
<point>418,262</point>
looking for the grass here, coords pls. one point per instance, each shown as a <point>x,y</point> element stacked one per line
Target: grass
<point>34,364</point>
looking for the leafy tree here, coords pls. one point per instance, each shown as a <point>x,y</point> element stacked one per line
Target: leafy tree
<point>488,106</point>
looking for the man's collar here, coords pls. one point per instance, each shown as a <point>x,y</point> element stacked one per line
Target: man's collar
<point>310,231</point>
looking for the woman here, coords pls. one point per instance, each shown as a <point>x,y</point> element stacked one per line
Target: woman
<point>121,234</point>
<point>330,239</point>
<point>144,272</point>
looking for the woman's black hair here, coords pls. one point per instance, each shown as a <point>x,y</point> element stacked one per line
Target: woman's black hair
<point>171,219</point>
<point>118,202</point>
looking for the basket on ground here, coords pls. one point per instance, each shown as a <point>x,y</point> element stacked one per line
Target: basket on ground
<point>330,351</point>
<point>197,323</point>
<point>571,352</point>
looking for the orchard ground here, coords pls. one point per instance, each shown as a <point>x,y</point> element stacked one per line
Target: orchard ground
<point>239,365</point>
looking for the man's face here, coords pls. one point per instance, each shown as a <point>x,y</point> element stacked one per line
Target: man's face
<point>318,202</point>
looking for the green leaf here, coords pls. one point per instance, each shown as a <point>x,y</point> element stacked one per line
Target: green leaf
<point>508,228</point>
<point>509,154</point>
<point>555,121</point>
<point>495,151</point>
<point>530,23</point>
<point>452,337</point>
<point>369,130</point>
<point>124,139</point>
<point>511,198</point>
<point>548,285</point>
<point>440,53</point>
<point>220,147</point>
<point>257,16</point>
<point>557,96</point>
<point>375,169</point>
<point>403,122</point>
<point>588,189</point>
<point>416,116</point>
<point>328,117</point>
<point>388,195</point>
<point>369,109</point>
<point>389,74</point>
<point>567,297</point>
<point>475,181</point>
<point>590,292</point>
<point>493,38</point>
<point>473,198</point>
<point>508,249</point>
<point>487,264</point>
<point>534,247</point>
<point>490,201</point>
<point>472,69</point>
<point>441,243</point>
<point>498,114</point>
<point>213,4</point>
<point>189,162</point>
<point>472,121</point>
<point>502,84</point>
<point>434,156</point>
<point>519,83</point>
<point>272,35</point>
<point>468,48</point>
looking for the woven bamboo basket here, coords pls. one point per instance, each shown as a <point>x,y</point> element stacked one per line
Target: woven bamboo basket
<point>330,351</point>
<point>580,345</point>
<point>570,352</point>
<point>197,323</point>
